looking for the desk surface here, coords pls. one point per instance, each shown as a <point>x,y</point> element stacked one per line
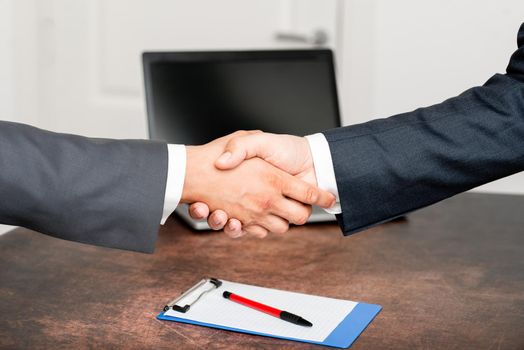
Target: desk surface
<point>449,277</point>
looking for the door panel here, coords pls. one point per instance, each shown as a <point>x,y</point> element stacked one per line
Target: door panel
<point>90,69</point>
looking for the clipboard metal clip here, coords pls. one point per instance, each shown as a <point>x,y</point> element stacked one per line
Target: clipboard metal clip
<point>215,283</point>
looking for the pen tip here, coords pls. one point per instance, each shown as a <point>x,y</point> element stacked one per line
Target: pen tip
<point>305,323</point>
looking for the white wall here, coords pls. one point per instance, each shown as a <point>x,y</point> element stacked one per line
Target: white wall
<point>18,58</point>
<point>6,64</point>
<point>403,54</point>
<point>6,60</point>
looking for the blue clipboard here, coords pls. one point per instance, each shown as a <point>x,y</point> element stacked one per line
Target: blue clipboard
<point>343,336</point>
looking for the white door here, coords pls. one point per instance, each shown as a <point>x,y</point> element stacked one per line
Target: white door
<point>89,57</point>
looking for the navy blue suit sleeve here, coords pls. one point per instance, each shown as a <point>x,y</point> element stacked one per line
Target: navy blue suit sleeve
<point>388,167</point>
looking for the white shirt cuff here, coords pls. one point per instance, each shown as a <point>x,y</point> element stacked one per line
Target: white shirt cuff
<point>324,168</point>
<point>176,173</point>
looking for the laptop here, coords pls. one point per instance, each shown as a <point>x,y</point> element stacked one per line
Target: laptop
<point>195,97</point>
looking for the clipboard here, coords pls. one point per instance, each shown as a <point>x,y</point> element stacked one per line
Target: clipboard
<point>336,322</point>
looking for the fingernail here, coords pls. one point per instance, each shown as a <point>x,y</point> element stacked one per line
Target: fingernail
<point>217,221</point>
<point>224,157</point>
<point>235,233</point>
<point>198,212</point>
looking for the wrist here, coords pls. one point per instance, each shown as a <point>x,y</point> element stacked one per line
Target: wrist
<point>310,164</point>
<point>190,188</point>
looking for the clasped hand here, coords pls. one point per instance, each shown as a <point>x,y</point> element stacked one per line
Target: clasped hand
<point>252,182</point>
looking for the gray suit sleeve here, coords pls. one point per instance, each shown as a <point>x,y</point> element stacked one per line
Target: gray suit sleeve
<point>95,191</point>
<point>389,167</point>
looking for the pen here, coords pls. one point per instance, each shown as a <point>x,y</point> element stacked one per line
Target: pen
<point>283,315</point>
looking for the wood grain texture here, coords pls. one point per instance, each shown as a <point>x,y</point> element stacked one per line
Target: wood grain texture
<point>449,277</point>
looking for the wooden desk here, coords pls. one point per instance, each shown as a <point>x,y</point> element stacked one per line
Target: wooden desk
<point>450,277</point>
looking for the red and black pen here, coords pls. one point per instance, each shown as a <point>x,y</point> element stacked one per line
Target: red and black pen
<point>283,315</point>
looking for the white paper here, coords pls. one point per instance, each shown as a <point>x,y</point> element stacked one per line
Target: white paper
<point>213,308</point>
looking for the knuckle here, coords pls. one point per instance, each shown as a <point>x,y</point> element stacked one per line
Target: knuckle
<point>274,181</point>
<point>302,218</point>
<point>311,194</point>
<point>233,143</point>
<point>263,204</point>
<point>240,133</point>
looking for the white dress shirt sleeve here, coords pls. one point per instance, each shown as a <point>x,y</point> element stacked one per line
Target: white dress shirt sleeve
<point>324,170</point>
<point>176,174</point>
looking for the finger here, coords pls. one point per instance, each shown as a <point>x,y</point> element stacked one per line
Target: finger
<point>239,133</point>
<point>274,223</point>
<point>292,210</point>
<point>198,211</point>
<point>241,148</point>
<point>217,220</point>
<point>234,228</point>
<point>308,194</point>
<point>256,231</point>
<point>325,199</point>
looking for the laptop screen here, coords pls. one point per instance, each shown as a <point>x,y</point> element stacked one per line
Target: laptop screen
<point>195,97</point>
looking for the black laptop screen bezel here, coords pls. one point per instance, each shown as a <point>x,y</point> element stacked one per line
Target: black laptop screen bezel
<point>150,58</point>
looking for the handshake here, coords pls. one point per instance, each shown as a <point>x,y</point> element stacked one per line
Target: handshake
<point>251,182</point>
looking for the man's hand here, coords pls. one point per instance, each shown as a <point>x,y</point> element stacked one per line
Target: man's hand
<point>260,196</point>
<point>289,153</point>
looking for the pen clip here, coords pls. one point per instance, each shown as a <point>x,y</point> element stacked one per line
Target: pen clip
<point>215,283</point>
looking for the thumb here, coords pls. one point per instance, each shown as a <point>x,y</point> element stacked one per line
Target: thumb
<point>241,148</point>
